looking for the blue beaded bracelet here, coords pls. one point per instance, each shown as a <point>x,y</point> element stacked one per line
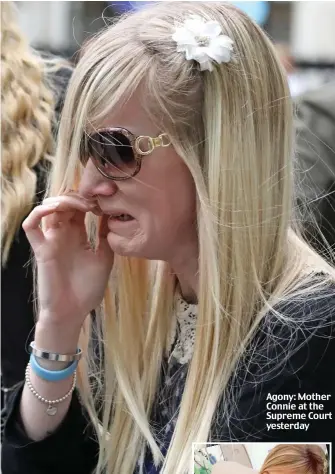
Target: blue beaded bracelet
<point>52,375</point>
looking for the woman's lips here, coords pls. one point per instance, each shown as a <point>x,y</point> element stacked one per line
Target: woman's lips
<point>121,223</point>
<point>121,218</point>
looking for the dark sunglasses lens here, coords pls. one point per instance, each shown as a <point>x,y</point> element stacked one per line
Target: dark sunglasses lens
<point>112,154</point>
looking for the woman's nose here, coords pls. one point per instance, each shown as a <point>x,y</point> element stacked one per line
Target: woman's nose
<point>93,183</point>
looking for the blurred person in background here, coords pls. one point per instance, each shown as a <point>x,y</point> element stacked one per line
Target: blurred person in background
<point>32,94</point>
<point>315,167</point>
<point>169,211</point>
<point>295,80</point>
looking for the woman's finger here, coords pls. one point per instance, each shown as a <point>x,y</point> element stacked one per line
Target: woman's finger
<point>75,203</point>
<point>79,218</point>
<point>97,211</point>
<point>66,205</point>
<point>72,209</point>
<point>71,205</point>
<point>31,225</point>
<point>72,200</point>
<point>103,226</point>
<point>57,218</point>
<point>103,245</point>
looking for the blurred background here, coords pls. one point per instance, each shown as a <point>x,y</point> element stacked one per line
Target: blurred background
<point>303,31</point>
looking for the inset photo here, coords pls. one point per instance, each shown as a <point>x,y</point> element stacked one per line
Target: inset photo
<point>262,458</point>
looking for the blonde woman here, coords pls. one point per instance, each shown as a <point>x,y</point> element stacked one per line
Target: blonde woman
<point>175,143</point>
<point>295,459</point>
<point>32,91</point>
<point>283,459</point>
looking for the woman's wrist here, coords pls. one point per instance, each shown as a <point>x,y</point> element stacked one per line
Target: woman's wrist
<point>56,337</point>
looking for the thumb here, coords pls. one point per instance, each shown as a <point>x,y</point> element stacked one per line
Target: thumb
<point>103,248</point>
<point>104,251</point>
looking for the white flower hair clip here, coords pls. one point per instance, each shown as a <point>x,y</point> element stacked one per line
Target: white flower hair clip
<point>203,41</point>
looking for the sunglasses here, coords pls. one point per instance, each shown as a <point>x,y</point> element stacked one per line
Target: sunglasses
<point>117,153</point>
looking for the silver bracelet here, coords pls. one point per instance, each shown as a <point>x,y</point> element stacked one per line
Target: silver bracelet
<point>51,409</point>
<point>43,354</point>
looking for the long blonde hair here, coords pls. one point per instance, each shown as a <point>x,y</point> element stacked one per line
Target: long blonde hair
<point>297,458</point>
<point>27,111</point>
<point>233,129</point>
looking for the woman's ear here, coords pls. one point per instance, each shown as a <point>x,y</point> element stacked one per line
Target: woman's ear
<point>228,467</point>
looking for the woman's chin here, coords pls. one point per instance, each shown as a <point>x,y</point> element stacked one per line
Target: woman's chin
<point>124,246</point>
<point>135,246</point>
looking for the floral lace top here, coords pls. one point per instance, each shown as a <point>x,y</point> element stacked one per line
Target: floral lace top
<point>183,331</point>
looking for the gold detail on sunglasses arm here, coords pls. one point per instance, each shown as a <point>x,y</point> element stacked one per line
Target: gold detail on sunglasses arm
<point>157,141</point>
<point>164,140</point>
<point>149,144</point>
<point>152,142</point>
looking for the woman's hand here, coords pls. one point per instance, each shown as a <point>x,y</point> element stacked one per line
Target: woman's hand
<point>71,276</point>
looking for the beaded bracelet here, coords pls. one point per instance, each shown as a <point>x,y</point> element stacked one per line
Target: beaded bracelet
<point>51,409</point>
